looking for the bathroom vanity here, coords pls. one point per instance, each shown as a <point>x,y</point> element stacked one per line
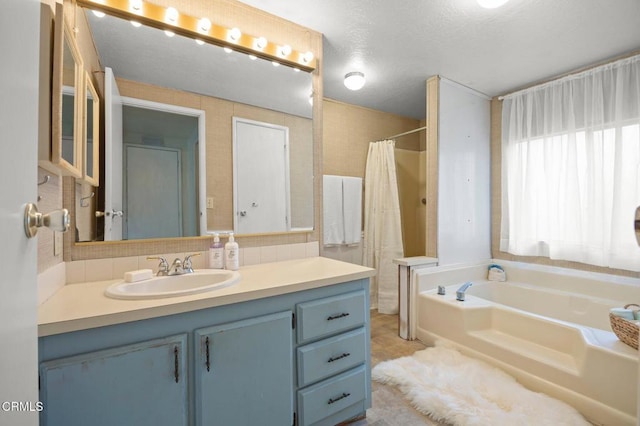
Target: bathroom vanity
<point>288,344</point>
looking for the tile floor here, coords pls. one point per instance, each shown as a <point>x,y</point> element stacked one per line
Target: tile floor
<point>389,406</point>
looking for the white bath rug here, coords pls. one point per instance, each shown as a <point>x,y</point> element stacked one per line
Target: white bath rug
<point>451,387</point>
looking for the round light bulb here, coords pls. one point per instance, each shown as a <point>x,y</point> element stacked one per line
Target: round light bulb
<point>169,33</point>
<point>491,4</point>
<point>204,25</point>
<point>354,80</point>
<point>307,57</point>
<point>260,43</point>
<point>285,50</point>
<point>136,5</point>
<point>235,34</point>
<point>227,49</point>
<point>171,15</point>
<point>98,13</point>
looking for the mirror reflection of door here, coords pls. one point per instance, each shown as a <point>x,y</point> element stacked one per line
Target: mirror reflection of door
<point>261,177</point>
<point>152,182</point>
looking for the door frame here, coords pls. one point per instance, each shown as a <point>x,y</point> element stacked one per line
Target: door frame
<point>202,144</point>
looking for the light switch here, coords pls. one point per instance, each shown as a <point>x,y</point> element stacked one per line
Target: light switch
<point>209,202</point>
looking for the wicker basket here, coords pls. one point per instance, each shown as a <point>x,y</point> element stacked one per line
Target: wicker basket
<point>626,330</point>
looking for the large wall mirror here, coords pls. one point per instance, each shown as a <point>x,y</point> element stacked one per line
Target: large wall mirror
<point>150,66</point>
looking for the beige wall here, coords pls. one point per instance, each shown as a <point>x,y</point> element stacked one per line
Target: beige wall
<point>348,130</point>
<point>496,207</point>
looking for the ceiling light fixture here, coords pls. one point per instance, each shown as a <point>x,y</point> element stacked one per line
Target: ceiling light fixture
<point>491,4</point>
<point>307,57</point>
<point>354,80</point>
<point>98,13</point>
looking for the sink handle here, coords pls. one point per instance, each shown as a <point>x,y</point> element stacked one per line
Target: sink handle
<point>163,266</point>
<point>186,263</point>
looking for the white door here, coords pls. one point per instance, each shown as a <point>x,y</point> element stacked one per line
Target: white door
<point>113,158</point>
<point>19,38</point>
<point>261,177</point>
<point>153,192</point>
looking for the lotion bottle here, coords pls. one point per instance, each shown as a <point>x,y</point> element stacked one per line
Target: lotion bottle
<point>231,254</point>
<point>216,253</point>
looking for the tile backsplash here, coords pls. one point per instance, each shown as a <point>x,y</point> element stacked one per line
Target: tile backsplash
<point>80,271</point>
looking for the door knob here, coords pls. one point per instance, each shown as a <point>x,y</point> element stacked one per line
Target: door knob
<point>57,220</point>
<point>115,213</point>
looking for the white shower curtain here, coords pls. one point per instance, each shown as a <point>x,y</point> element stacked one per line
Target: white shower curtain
<point>382,225</point>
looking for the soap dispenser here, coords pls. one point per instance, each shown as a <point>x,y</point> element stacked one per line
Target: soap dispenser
<point>231,254</point>
<point>216,253</point>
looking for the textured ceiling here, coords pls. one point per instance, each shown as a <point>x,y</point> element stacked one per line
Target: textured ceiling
<point>399,44</point>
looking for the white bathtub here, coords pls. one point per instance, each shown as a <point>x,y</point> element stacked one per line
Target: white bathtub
<point>548,327</point>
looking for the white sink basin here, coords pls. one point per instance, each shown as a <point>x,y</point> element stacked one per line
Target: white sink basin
<point>175,285</point>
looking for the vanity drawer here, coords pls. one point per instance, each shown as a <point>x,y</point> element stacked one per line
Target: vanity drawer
<point>326,398</point>
<point>323,317</point>
<point>319,360</point>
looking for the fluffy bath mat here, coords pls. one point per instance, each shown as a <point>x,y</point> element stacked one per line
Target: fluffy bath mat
<point>450,387</point>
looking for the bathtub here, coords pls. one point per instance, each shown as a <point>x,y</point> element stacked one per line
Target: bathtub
<point>546,326</point>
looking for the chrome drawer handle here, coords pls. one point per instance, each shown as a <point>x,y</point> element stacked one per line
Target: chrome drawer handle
<point>344,355</point>
<point>344,395</point>
<point>342,315</point>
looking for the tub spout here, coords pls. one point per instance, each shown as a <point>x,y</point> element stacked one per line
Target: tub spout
<point>461,290</point>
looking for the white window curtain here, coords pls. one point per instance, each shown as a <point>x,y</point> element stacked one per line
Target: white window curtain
<point>382,225</point>
<point>571,167</point>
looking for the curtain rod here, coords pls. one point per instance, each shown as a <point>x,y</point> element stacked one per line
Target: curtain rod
<point>574,73</point>
<point>407,133</point>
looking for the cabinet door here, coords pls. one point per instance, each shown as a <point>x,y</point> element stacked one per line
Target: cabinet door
<point>244,372</point>
<point>139,384</point>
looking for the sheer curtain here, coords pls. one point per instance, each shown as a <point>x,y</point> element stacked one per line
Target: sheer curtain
<point>571,167</point>
<point>382,226</point>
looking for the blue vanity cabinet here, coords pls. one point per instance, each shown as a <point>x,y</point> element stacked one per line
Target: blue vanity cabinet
<point>244,372</point>
<point>298,358</point>
<point>97,388</point>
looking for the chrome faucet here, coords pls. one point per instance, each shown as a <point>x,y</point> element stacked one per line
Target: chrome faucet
<point>461,290</point>
<point>163,266</point>
<point>176,267</point>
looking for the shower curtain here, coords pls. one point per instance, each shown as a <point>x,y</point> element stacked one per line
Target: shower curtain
<point>382,226</point>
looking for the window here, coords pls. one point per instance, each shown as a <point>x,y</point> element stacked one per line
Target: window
<point>571,168</point>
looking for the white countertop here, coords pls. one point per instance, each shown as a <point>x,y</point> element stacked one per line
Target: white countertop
<point>82,306</point>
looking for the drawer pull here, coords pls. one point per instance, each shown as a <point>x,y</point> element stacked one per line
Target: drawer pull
<point>344,395</point>
<point>342,315</point>
<point>344,355</point>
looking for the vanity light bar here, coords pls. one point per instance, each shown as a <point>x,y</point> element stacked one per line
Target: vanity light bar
<point>156,16</point>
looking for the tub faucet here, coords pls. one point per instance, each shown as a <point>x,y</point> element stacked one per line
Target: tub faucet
<point>461,290</point>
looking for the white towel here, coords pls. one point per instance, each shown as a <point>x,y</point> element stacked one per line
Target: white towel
<point>333,229</point>
<point>352,209</point>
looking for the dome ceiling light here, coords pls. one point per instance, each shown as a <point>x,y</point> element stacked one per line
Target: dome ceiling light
<point>354,80</point>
